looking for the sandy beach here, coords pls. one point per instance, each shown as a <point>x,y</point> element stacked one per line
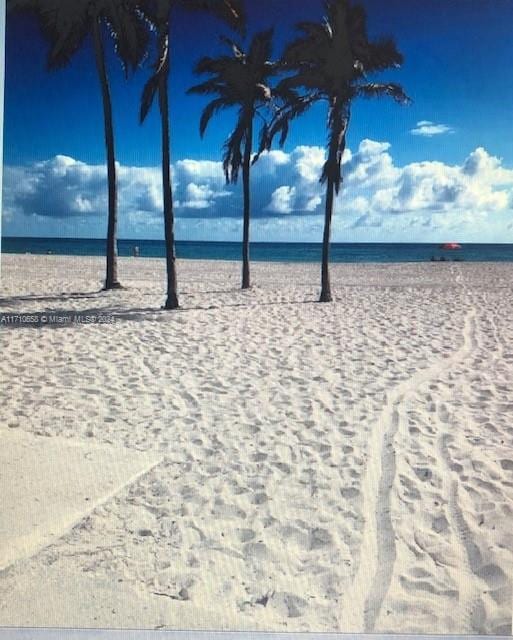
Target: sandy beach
<point>256,460</point>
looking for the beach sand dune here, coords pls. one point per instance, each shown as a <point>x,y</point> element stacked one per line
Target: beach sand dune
<point>340,467</point>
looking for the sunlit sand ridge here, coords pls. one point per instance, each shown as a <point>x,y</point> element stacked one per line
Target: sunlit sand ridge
<point>289,465</point>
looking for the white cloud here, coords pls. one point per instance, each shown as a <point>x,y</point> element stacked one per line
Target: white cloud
<point>428,129</point>
<point>282,200</point>
<point>59,187</point>
<point>301,169</point>
<point>379,200</point>
<point>272,162</point>
<point>200,170</point>
<point>434,186</point>
<point>308,162</point>
<point>201,196</point>
<point>371,164</point>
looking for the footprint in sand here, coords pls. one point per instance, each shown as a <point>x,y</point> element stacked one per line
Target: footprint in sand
<point>288,605</point>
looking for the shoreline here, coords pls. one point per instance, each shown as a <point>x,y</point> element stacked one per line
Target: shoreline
<point>272,261</point>
<point>276,252</point>
<point>71,255</point>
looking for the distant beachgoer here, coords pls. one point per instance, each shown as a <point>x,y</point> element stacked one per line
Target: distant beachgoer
<point>136,252</point>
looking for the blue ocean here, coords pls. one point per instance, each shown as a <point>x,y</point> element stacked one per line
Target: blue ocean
<point>266,251</point>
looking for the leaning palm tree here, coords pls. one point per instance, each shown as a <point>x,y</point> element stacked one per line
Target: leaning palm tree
<point>331,61</point>
<point>159,14</point>
<point>241,81</point>
<point>66,25</point>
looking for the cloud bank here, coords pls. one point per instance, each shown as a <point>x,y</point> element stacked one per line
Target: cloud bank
<point>380,201</point>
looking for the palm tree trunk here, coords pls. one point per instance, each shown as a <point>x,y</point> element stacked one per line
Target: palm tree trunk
<point>325,275</point>
<point>169,222</point>
<point>111,279</point>
<point>246,167</point>
<point>339,120</point>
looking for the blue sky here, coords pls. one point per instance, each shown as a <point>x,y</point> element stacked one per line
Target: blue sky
<point>438,168</point>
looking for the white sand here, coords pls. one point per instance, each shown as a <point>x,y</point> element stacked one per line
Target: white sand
<point>61,480</point>
<point>324,467</point>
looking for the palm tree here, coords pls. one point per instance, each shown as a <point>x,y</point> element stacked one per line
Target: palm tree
<point>332,62</point>
<point>66,25</point>
<point>241,81</point>
<point>159,13</point>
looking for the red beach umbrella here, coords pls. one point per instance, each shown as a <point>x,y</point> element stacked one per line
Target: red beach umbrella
<point>450,246</point>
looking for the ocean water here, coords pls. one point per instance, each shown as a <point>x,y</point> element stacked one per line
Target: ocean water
<point>265,251</point>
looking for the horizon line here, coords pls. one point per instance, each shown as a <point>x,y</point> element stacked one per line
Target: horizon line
<point>238,242</point>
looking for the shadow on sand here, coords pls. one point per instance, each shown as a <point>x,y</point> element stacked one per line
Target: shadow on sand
<point>62,318</point>
<point>72,295</point>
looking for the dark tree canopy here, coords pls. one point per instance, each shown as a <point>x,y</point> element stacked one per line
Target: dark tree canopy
<point>240,80</point>
<point>332,61</point>
<point>158,14</point>
<point>65,25</point>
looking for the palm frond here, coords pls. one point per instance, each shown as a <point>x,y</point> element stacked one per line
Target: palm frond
<point>357,29</point>
<point>208,87</point>
<point>381,55</point>
<point>315,31</point>
<point>215,65</point>
<point>309,79</point>
<point>232,157</point>
<point>156,12</point>
<point>235,47</point>
<point>209,111</point>
<point>338,122</point>
<point>64,27</point>
<point>337,16</point>
<point>231,12</point>
<point>130,32</point>
<point>260,50</point>
<point>378,90</point>
<point>262,142</point>
<point>294,107</point>
<point>161,70</point>
<point>305,51</point>
<point>148,96</point>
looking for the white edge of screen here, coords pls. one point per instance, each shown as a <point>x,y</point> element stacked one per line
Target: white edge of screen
<point>2,83</point>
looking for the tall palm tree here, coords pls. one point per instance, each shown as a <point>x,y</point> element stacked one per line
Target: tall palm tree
<point>331,61</point>
<point>159,13</point>
<point>66,25</point>
<point>241,81</point>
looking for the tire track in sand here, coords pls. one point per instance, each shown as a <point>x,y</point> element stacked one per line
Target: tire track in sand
<point>468,554</point>
<point>472,610</point>
<point>492,319</point>
<point>362,601</point>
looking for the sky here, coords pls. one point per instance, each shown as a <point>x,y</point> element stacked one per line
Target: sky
<point>438,170</point>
